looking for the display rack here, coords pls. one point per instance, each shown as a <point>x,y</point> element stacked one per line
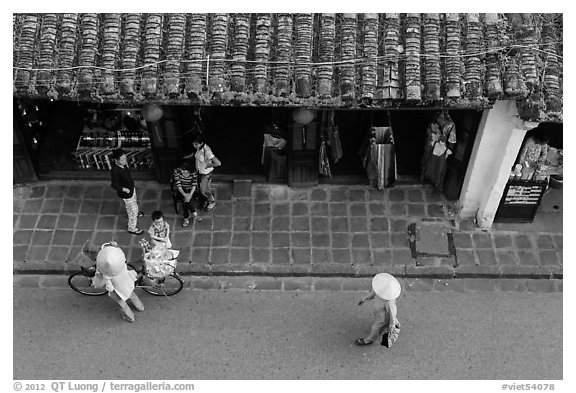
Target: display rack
<point>95,147</point>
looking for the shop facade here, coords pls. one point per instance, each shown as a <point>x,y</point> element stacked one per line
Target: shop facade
<point>287,98</point>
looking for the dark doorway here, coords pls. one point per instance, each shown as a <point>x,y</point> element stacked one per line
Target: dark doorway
<point>235,135</point>
<point>409,129</point>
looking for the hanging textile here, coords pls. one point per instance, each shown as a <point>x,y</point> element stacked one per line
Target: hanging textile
<point>323,161</point>
<point>274,154</point>
<point>379,157</point>
<point>333,139</point>
<point>324,164</point>
<point>440,142</point>
<point>335,145</point>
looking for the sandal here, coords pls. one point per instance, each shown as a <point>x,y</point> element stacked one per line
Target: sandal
<point>361,342</point>
<point>136,232</point>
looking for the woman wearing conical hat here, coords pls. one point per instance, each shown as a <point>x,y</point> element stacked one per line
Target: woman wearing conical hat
<point>385,290</point>
<point>112,272</point>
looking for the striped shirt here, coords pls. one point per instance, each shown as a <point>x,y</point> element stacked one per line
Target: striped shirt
<point>186,182</point>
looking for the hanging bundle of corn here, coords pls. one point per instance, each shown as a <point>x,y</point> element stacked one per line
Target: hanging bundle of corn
<point>370,50</point>
<point>303,54</point>
<point>552,70</point>
<point>390,80</point>
<point>493,73</point>
<point>262,52</point>
<point>432,56</point>
<point>474,46</point>
<point>195,52</point>
<point>239,52</point>
<point>152,42</point>
<point>453,60</point>
<point>130,49</point>
<point>174,48</point>
<point>89,24</point>
<point>67,51</point>
<point>348,55</point>
<point>46,55</point>
<point>326,55</point>
<point>219,36</point>
<point>26,47</point>
<point>110,51</point>
<point>283,55</point>
<point>412,73</point>
<point>514,83</point>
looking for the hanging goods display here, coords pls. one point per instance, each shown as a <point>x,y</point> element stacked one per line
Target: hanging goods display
<point>379,156</point>
<point>440,143</point>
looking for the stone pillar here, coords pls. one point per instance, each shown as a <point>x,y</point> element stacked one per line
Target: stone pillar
<point>498,141</point>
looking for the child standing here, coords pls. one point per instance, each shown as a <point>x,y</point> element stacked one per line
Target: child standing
<point>160,231</point>
<point>385,290</point>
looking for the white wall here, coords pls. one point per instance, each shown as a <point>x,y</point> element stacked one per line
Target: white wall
<point>498,141</point>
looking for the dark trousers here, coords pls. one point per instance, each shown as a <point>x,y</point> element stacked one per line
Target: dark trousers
<point>188,207</point>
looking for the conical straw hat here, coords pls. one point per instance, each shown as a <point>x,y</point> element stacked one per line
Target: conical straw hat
<point>111,261</point>
<point>386,286</point>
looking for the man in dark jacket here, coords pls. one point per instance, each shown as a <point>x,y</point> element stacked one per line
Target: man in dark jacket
<point>123,183</point>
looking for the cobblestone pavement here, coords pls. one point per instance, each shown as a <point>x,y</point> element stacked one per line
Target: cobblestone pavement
<point>322,231</point>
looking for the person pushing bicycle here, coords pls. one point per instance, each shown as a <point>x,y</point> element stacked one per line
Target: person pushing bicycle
<point>112,272</point>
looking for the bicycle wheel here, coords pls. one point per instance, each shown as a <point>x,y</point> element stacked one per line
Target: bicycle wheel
<point>165,286</point>
<point>83,284</point>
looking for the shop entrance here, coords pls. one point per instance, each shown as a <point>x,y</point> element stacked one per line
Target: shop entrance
<point>410,136</point>
<point>71,140</point>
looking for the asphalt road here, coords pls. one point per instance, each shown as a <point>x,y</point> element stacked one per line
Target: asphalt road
<point>236,334</point>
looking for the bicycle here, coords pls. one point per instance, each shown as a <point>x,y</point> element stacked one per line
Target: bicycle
<point>81,281</point>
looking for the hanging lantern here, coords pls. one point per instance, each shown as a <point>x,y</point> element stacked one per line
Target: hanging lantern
<point>303,116</point>
<point>152,112</point>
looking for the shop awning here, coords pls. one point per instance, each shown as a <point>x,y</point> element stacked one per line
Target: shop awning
<point>310,60</point>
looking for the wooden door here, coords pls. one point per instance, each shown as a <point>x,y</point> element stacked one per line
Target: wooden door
<point>303,155</point>
<point>165,140</point>
<point>23,169</point>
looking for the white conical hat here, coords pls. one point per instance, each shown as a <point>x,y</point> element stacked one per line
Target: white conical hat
<point>111,261</point>
<point>386,286</point>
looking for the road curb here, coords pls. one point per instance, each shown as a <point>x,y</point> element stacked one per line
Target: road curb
<point>420,272</point>
<point>318,284</point>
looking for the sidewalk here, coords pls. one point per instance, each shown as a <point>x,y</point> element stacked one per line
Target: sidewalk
<point>324,231</point>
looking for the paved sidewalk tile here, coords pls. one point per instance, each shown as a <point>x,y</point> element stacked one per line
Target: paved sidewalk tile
<point>324,230</point>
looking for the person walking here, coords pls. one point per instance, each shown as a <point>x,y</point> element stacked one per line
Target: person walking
<point>385,289</point>
<point>123,183</point>
<point>206,161</point>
